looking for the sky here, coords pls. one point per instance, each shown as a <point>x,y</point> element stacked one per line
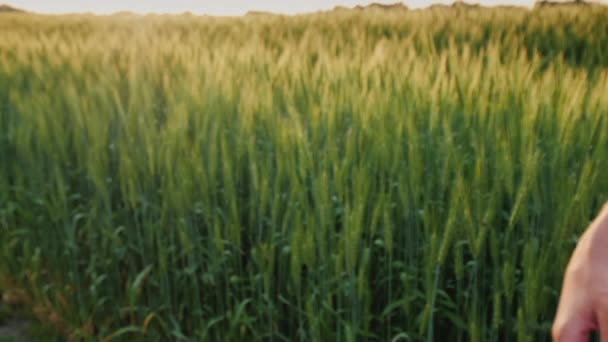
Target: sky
<point>215,7</point>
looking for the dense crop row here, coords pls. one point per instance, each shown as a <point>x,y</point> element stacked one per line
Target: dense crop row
<point>326,177</point>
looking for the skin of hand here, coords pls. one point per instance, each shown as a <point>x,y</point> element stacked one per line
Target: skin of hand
<point>583,305</point>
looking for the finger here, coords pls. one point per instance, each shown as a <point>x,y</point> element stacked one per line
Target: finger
<point>574,321</point>
<point>576,331</point>
<point>602,320</point>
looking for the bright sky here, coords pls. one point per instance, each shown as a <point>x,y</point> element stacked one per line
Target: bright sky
<point>214,7</point>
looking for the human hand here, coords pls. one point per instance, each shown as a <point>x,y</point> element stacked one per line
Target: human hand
<point>583,306</point>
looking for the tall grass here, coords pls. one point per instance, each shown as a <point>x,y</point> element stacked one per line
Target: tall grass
<point>344,176</point>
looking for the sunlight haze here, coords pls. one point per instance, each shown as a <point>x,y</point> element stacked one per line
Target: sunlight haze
<point>228,7</point>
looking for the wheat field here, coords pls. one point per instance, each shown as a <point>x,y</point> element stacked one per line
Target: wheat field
<point>339,176</point>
